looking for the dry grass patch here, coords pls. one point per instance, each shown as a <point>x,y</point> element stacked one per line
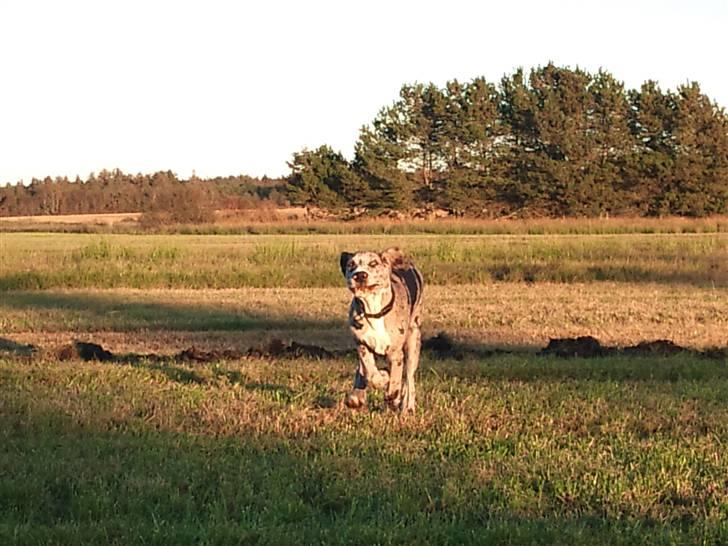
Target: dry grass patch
<point>492,315</point>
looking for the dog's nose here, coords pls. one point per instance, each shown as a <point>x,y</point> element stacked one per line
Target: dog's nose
<point>360,276</point>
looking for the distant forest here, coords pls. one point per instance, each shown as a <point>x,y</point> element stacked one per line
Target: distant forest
<point>190,200</point>
<point>554,142</point>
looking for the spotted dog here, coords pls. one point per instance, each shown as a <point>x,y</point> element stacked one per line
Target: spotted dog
<point>384,318</point>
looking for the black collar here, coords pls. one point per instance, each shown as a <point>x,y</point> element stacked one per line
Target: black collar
<point>383,311</point>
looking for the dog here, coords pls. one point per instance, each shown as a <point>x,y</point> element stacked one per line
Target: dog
<point>385,320</point>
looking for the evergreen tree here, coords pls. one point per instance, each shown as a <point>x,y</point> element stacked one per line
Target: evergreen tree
<point>613,145</point>
<point>323,178</point>
<point>681,166</point>
<point>376,162</point>
<point>699,184</point>
<point>569,139</point>
<point>400,155</point>
<point>471,145</point>
<point>652,163</point>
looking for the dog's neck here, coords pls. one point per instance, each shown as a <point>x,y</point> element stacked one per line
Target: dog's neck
<point>375,301</point>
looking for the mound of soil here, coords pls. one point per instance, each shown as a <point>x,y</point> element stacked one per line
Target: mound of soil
<point>18,349</point>
<point>660,347</point>
<point>84,351</point>
<point>580,347</point>
<point>441,345</point>
<point>193,354</point>
<point>277,349</point>
<point>589,347</point>
<point>81,350</point>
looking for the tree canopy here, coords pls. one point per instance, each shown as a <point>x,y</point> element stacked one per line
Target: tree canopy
<point>557,141</point>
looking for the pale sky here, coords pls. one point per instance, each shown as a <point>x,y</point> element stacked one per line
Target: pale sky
<point>233,87</point>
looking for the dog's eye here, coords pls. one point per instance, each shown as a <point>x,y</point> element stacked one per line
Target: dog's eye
<point>351,266</point>
<point>373,263</point>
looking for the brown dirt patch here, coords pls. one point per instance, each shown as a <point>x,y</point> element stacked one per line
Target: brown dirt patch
<point>441,346</point>
<point>82,350</point>
<point>582,347</point>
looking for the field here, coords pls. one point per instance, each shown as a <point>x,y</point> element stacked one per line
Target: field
<point>507,446</point>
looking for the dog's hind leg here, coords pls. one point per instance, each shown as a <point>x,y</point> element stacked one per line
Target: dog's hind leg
<point>394,389</point>
<point>411,362</point>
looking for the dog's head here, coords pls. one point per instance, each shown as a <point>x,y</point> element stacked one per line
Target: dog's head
<point>369,271</point>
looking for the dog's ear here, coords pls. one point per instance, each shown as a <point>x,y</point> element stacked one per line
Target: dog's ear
<point>344,261</point>
<point>393,257</point>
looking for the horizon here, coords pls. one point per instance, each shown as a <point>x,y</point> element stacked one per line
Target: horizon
<point>227,90</point>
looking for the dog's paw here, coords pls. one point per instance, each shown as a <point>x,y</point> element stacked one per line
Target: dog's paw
<point>405,410</point>
<point>380,380</point>
<point>407,405</point>
<point>393,400</point>
<point>356,399</point>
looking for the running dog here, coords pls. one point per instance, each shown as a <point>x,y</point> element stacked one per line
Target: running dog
<point>384,317</point>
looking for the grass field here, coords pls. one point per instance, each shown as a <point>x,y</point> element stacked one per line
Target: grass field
<point>45,260</point>
<point>506,447</point>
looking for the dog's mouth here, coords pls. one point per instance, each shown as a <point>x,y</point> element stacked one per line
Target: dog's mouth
<point>361,287</point>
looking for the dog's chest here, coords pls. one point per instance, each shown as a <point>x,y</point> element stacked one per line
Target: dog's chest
<point>373,333</point>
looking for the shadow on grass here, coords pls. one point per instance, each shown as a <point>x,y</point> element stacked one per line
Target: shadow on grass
<point>117,313</point>
<point>73,484</point>
<point>582,358</point>
<point>16,349</point>
<point>205,374</point>
<point>528,367</point>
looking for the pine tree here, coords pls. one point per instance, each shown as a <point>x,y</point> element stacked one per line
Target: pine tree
<point>699,185</point>
<point>376,162</point>
<point>652,163</point>
<point>471,145</point>
<point>682,162</point>
<point>323,178</point>
<point>400,155</point>
<point>613,144</point>
<point>569,138</point>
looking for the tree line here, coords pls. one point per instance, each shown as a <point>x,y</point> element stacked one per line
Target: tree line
<point>557,141</point>
<point>111,191</point>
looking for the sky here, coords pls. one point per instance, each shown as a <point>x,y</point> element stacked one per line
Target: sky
<point>231,87</point>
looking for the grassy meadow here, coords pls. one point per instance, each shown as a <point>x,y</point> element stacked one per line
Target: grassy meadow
<point>53,260</point>
<point>507,447</point>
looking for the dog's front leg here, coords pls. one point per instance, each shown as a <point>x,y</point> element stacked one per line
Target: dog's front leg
<point>357,398</point>
<point>366,374</point>
<point>368,368</point>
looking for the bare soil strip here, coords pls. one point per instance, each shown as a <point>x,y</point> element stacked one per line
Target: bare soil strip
<point>441,346</point>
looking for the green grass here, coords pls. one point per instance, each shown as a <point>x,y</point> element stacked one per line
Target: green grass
<point>42,261</point>
<point>507,450</point>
